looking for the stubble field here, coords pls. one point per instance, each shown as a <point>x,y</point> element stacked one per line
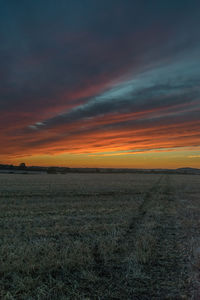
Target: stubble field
<point>99,236</point>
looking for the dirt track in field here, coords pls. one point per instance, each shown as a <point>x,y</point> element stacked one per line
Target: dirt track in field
<point>114,236</point>
<point>149,253</point>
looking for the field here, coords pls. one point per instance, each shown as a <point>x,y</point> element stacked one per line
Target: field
<point>99,236</point>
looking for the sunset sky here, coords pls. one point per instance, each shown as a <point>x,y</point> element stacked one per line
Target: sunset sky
<point>100,83</point>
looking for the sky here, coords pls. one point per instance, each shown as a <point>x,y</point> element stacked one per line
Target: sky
<point>108,83</point>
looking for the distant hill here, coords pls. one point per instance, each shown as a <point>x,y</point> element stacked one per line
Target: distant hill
<point>188,170</point>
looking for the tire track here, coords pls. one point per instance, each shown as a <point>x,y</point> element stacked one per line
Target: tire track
<point>155,249</point>
<point>147,263</point>
<point>126,241</point>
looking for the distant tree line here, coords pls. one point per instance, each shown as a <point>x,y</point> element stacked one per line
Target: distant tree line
<point>22,168</point>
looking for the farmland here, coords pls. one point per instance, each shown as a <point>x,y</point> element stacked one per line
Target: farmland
<point>99,236</point>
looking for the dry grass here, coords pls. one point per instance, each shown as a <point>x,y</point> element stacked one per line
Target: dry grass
<point>96,236</point>
<point>188,193</point>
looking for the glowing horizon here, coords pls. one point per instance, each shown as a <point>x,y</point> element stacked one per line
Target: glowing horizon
<point>98,85</point>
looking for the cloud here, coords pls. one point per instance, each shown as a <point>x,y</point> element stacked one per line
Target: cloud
<point>162,94</point>
<point>82,76</point>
